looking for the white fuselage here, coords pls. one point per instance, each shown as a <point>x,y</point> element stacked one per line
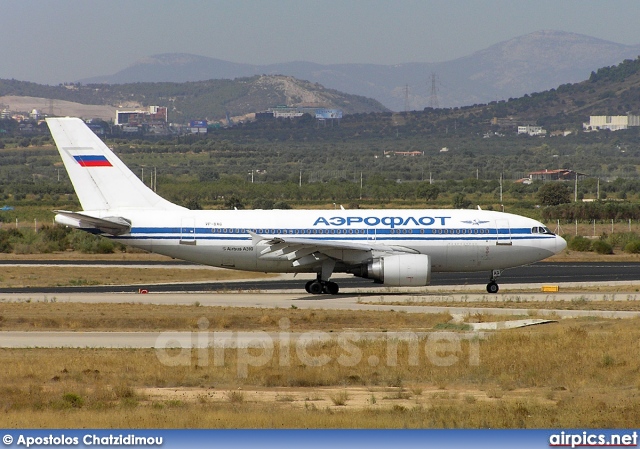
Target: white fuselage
<point>455,240</point>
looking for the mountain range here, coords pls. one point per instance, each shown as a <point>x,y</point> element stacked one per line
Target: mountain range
<point>526,64</point>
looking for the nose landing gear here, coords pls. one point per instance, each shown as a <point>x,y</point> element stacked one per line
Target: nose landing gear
<point>492,286</point>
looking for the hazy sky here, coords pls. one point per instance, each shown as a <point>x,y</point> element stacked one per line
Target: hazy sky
<point>65,40</point>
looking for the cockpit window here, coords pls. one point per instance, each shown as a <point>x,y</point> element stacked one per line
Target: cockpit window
<point>541,230</point>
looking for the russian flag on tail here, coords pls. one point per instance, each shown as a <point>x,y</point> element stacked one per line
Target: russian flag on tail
<point>92,161</point>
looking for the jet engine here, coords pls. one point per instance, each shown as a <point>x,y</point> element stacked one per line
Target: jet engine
<point>404,270</point>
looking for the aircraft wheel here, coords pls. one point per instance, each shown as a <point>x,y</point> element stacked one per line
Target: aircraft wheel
<point>308,285</point>
<point>316,288</point>
<point>492,287</point>
<point>331,288</point>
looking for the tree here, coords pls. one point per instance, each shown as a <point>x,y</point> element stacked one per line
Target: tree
<point>460,201</point>
<point>262,203</point>
<point>429,192</point>
<point>193,203</point>
<point>233,202</point>
<point>553,193</point>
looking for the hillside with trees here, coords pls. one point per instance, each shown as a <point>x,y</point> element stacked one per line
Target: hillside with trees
<point>359,160</point>
<point>201,100</point>
<point>613,90</point>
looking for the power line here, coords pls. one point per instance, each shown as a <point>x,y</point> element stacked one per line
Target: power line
<point>433,99</point>
<point>406,98</point>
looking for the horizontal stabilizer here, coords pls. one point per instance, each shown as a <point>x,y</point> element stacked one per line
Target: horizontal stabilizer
<point>108,225</point>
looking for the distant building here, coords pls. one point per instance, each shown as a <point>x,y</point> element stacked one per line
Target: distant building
<point>299,111</point>
<point>532,130</point>
<point>287,114</point>
<point>198,126</point>
<point>561,174</point>
<point>611,122</point>
<point>154,115</point>
<point>266,115</point>
<point>97,129</point>
<point>404,153</point>
<point>560,133</point>
<point>328,114</point>
<point>504,123</point>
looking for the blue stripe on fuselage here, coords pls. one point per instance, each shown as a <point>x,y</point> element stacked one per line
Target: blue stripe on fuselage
<point>363,235</point>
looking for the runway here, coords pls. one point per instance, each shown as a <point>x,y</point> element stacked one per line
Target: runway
<point>538,273</point>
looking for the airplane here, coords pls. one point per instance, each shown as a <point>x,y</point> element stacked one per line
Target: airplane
<point>392,247</point>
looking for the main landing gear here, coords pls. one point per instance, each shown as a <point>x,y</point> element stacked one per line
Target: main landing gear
<point>322,284</point>
<point>492,286</point>
<point>319,286</point>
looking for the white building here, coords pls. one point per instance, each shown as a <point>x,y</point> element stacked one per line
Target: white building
<point>153,115</point>
<point>287,114</point>
<point>532,130</point>
<point>611,122</point>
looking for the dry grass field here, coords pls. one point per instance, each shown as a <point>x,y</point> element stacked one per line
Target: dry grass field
<point>62,276</point>
<point>58,316</point>
<point>574,373</point>
<point>58,276</point>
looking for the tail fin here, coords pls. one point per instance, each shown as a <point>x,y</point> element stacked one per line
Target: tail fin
<point>99,177</point>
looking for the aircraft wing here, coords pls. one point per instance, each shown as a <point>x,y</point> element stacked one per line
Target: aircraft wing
<point>109,225</point>
<point>301,251</point>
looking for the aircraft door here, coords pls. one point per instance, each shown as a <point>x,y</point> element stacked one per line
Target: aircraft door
<point>503,232</point>
<point>188,231</point>
<point>371,234</point>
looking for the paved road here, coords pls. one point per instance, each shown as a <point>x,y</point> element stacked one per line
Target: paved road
<point>172,339</point>
<point>539,273</point>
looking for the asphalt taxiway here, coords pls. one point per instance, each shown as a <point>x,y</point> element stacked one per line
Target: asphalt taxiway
<point>538,273</point>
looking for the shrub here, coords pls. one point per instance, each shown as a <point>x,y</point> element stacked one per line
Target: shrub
<point>90,244</point>
<point>54,238</point>
<point>9,238</point>
<point>281,205</point>
<point>633,247</point>
<point>340,398</point>
<point>602,247</point>
<point>262,203</point>
<point>72,399</point>
<point>105,246</point>
<point>579,243</point>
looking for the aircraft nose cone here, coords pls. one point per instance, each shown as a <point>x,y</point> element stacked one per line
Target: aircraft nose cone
<point>561,244</point>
